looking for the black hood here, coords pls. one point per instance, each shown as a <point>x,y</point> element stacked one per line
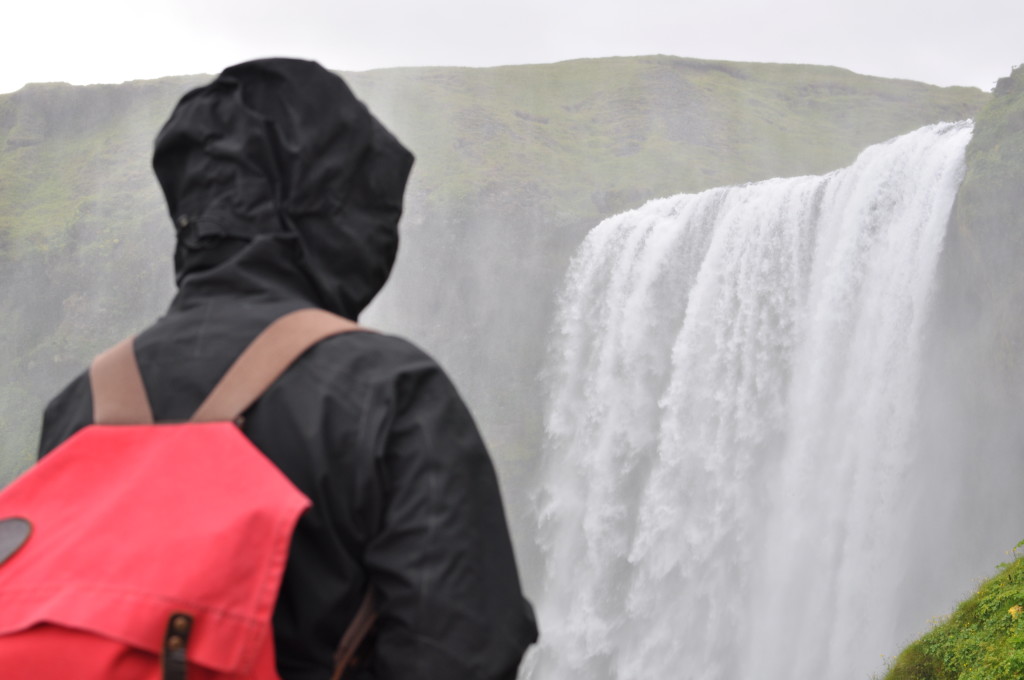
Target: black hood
<point>276,171</point>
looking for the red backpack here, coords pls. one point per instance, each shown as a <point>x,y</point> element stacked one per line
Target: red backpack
<point>156,551</point>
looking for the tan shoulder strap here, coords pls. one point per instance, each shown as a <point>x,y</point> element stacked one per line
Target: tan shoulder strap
<point>118,394</point>
<point>266,358</point>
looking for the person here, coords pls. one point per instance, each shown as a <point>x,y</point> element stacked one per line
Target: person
<point>286,194</point>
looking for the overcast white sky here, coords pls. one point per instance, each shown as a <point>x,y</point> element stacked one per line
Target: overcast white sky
<point>945,42</point>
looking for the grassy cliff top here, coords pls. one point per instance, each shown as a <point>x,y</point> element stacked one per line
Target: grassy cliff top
<point>592,136</point>
<point>611,133</point>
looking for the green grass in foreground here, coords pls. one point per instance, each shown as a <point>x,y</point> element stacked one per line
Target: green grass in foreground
<point>982,640</point>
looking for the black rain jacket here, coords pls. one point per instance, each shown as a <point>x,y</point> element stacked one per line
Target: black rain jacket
<point>286,194</point>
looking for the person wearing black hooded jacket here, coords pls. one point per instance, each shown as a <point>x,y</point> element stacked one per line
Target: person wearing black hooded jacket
<point>286,194</point>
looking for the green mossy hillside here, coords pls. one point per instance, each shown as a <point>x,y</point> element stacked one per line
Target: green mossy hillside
<point>982,640</point>
<point>592,137</point>
<point>514,165</point>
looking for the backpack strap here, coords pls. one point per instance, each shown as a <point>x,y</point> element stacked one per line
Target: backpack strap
<point>118,394</point>
<point>358,628</point>
<point>266,358</point>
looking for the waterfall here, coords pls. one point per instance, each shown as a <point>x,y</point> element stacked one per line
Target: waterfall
<point>731,487</point>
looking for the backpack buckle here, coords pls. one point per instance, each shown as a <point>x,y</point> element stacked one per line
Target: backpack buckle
<point>173,658</point>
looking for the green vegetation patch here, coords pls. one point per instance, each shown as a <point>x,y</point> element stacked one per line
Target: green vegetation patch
<point>982,640</point>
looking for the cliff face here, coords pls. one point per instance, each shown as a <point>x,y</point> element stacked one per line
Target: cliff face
<point>986,236</point>
<point>982,289</point>
<point>514,165</point>
<point>979,350</point>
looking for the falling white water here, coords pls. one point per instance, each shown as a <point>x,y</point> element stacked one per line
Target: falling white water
<point>731,427</point>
